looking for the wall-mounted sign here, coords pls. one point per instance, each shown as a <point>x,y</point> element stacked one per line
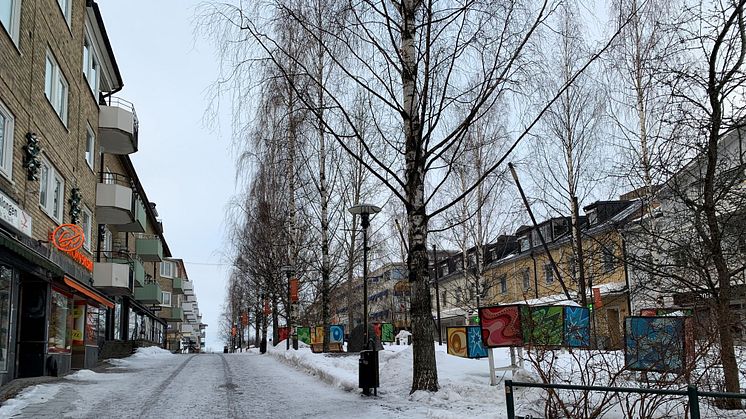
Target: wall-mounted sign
<point>14,216</point>
<point>68,238</point>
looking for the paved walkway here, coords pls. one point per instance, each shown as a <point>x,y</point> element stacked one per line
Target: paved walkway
<point>205,385</point>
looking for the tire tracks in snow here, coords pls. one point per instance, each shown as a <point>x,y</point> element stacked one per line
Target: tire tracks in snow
<point>230,389</point>
<point>156,392</point>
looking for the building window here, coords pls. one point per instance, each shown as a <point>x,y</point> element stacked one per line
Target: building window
<point>51,191</point>
<point>443,298</point>
<point>609,260</point>
<point>55,87</point>
<point>90,143</point>
<point>107,241</point>
<point>167,269</point>
<point>65,7</point>
<point>60,323</point>
<point>6,141</point>
<point>166,299</point>
<point>91,64</point>
<point>10,17</point>
<point>526,277</point>
<point>87,224</point>
<point>548,273</point>
<point>6,279</point>
<point>503,284</point>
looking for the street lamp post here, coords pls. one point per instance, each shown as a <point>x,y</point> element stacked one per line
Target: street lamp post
<point>437,295</point>
<point>364,211</point>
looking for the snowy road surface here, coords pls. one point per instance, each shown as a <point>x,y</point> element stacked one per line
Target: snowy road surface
<point>205,385</point>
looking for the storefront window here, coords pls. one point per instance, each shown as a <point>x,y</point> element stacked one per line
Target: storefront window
<point>6,278</point>
<point>78,324</point>
<point>91,326</point>
<point>60,323</point>
<point>102,326</point>
<point>118,321</point>
<point>133,323</point>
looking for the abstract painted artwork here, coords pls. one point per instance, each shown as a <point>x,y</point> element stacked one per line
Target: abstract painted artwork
<point>544,326</point>
<point>456,341</point>
<point>304,335</point>
<point>501,326</point>
<point>317,335</point>
<point>577,327</point>
<point>655,343</point>
<point>474,346</point>
<point>387,332</point>
<point>282,334</point>
<point>336,333</point>
<point>377,330</point>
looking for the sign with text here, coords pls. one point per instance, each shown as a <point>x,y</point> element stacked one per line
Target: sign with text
<point>13,215</point>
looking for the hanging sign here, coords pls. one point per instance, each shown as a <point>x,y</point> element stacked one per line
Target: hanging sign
<point>294,290</point>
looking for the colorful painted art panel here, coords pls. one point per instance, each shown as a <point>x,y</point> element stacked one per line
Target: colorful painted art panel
<point>317,335</point>
<point>336,333</point>
<point>387,332</point>
<point>544,325</point>
<point>377,330</point>
<point>655,343</point>
<point>501,326</point>
<point>304,335</point>
<point>282,334</point>
<point>456,341</point>
<point>577,327</point>
<point>474,346</point>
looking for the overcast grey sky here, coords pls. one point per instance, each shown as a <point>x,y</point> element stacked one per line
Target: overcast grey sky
<point>186,169</point>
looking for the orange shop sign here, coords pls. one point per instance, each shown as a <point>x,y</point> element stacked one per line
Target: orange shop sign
<point>69,238</point>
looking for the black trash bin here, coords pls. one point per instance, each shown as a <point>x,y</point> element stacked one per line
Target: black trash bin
<point>225,349</point>
<point>368,372</point>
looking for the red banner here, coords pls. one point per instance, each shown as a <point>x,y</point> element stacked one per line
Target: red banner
<point>294,290</point>
<point>266,307</point>
<point>245,319</point>
<point>597,298</point>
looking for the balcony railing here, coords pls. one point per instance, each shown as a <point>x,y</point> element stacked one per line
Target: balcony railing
<point>118,126</point>
<point>150,293</point>
<point>149,247</point>
<point>114,199</point>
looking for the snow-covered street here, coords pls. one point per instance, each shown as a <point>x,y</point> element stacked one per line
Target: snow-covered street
<point>158,384</point>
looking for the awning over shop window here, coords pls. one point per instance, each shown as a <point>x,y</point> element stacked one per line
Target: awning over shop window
<point>90,293</point>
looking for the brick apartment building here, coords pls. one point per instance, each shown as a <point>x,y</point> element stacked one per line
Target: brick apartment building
<point>66,180</point>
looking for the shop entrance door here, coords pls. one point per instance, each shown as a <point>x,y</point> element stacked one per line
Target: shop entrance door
<point>32,329</point>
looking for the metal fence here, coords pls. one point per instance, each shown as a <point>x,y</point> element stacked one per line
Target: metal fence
<point>691,392</point>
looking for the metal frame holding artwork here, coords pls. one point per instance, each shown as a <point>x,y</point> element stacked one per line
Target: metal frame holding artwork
<point>304,334</point>
<point>456,342</point>
<point>501,325</point>
<point>658,343</point>
<point>387,332</point>
<point>336,333</point>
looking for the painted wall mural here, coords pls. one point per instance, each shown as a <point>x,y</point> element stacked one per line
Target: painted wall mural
<point>304,335</point>
<point>655,343</point>
<point>336,333</point>
<point>501,326</point>
<point>387,332</point>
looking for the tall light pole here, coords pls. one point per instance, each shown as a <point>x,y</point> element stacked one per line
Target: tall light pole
<point>364,211</point>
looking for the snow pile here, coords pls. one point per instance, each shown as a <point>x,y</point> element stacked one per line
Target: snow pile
<point>32,395</point>
<point>88,375</point>
<point>144,355</point>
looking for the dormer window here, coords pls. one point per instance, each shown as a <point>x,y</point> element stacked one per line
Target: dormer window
<point>592,217</point>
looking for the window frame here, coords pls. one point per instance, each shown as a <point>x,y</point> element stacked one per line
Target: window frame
<point>14,25</point>
<point>87,230</point>
<point>503,279</point>
<point>163,298</point>
<point>91,63</point>
<point>56,87</point>
<point>8,129</point>
<point>548,273</point>
<point>90,147</point>
<point>171,269</point>
<point>52,176</point>
<point>66,10</point>
<point>526,279</point>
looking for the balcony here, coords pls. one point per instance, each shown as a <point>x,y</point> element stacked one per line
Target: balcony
<point>139,218</point>
<point>178,286</point>
<point>188,308</point>
<point>173,314</point>
<point>138,272</point>
<point>149,248</point>
<point>114,199</point>
<point>150,293</point>
<point>186,328</point>
<point>118,127</point>
<point>112,277</point>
